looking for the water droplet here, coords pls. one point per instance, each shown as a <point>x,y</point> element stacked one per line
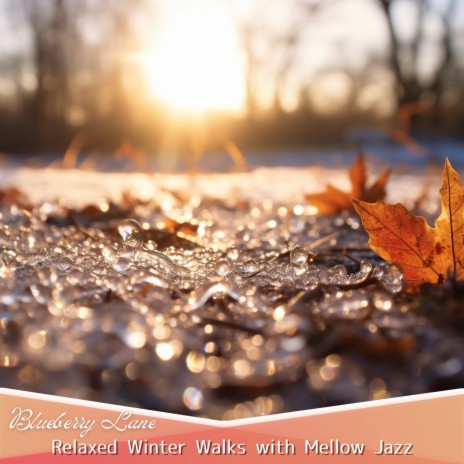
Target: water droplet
<point>378,272</point>
<point>298,270</point>
<point>131,232</point>
<point>392,278</point>
<point>298,256</point>
<point>222,268</point>
<point>122,264</point>
<point>233,254</point>
<point>382,301</point>
<point>249,268</point>
<point>62,264</point>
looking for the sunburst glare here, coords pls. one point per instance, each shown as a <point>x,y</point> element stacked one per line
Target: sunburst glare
<point>196,65</point>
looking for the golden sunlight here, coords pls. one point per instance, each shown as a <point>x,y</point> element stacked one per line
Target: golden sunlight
<point>196,64</point>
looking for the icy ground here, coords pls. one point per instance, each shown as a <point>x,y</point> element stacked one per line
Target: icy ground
<point>221,295</point>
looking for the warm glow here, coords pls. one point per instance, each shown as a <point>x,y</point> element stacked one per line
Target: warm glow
<point>196,65</point>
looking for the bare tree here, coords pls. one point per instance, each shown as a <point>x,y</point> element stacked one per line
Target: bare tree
<point>54,44</point>
<point>282,42</point>
<point>405,56</point>
<point>61,54</point>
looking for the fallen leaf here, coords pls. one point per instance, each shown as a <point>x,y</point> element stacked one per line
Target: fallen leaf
<point>12,195</point>
<point>449,227</point>
<point>334,200</point>
<point>400,237</point>
<point>425,254</point>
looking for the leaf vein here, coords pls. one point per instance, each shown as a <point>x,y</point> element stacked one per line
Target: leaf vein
<point>399,238</point>
<point>458,207</point>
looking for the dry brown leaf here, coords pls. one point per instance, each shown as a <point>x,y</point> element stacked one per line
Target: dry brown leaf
<point>12,195</point>
<point>334,200</point>
<point>425,254</point>
<point>400,237</point>
<point>449,227</point>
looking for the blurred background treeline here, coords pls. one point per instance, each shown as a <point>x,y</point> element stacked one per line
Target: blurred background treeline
<point>191,75</point>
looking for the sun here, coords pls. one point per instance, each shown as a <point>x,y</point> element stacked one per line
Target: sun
<point>195,65</point>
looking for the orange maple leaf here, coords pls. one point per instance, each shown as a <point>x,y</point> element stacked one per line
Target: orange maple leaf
<point>425,254</point>
<point>334,200</point>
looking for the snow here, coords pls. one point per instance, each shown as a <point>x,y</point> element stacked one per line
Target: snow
<point>281,184</point>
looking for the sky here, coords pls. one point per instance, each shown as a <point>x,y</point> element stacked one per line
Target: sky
<point>193,60</point>
<point>198,49</point>
<point>197,61</point>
